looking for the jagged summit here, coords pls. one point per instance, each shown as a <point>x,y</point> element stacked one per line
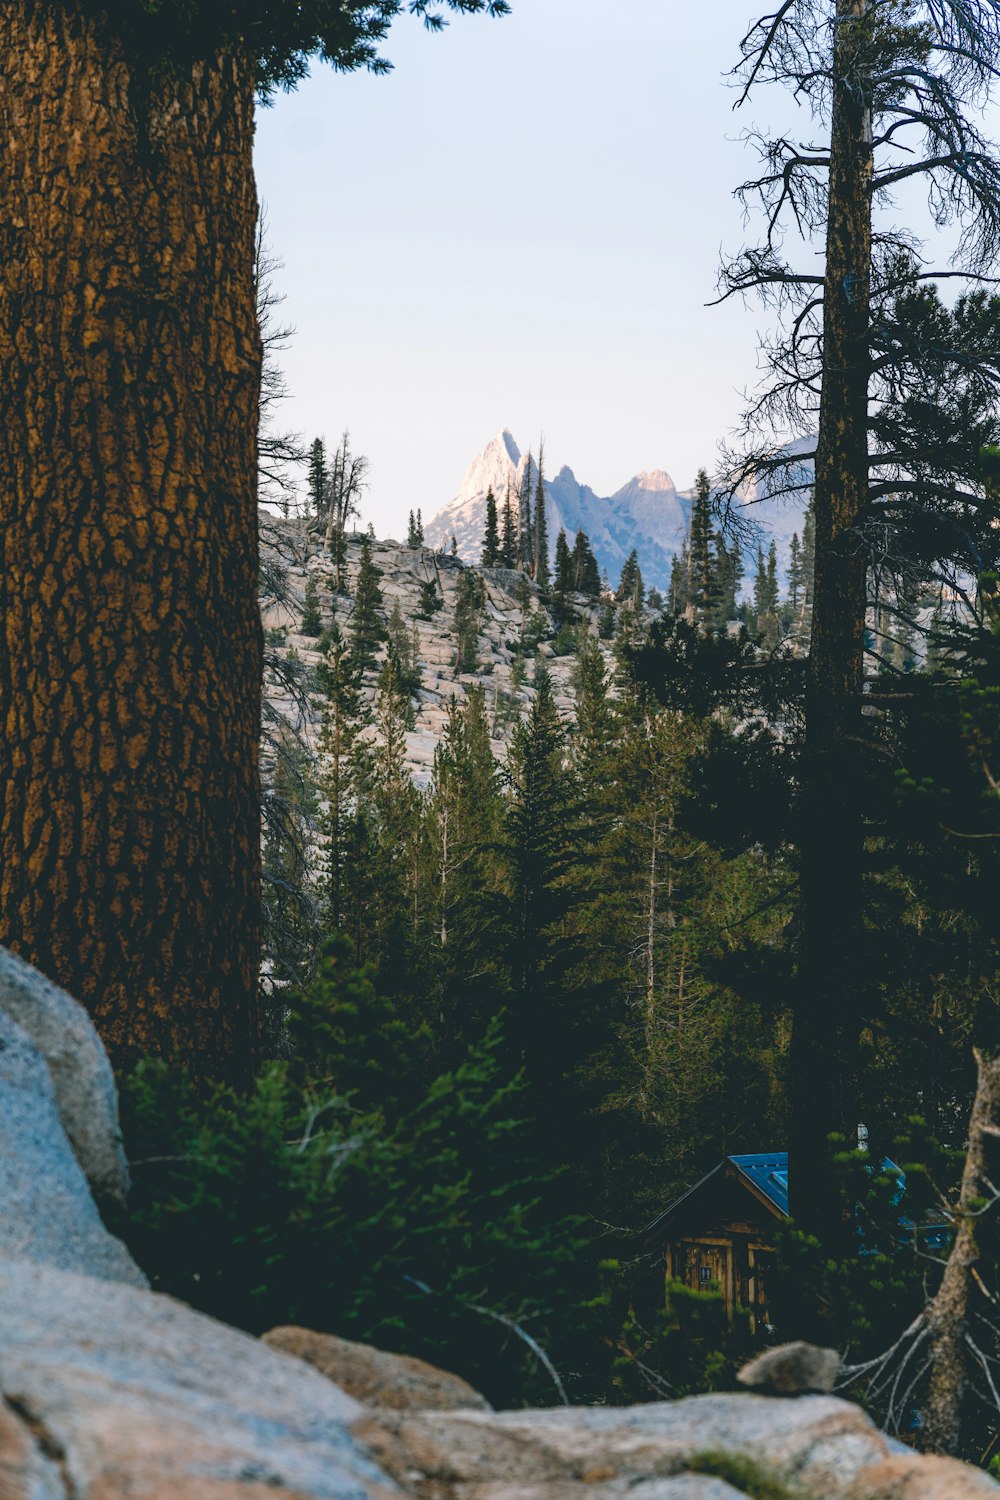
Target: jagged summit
<point>652,479</point>
<point>647,512</point>
<point>507,438</point>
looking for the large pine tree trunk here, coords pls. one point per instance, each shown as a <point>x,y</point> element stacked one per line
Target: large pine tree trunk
<point>827,1007</point>
<point>130,673</point>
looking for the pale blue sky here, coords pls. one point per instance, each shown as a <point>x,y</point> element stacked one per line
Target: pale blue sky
<point>520,226</point>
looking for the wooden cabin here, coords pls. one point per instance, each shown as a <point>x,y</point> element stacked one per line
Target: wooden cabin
<point>721,1231</point>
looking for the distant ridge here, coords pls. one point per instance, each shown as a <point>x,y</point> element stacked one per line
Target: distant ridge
<point>648,513</point>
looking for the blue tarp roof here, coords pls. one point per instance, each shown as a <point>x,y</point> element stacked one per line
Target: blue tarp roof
<point>765,1173</point>
<point>768,1172</point>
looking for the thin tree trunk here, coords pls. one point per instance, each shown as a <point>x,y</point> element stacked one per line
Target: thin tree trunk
<point>444,877</point>
<point>130,675</point>
<point>651,932</point>
<point>950,1313</point>
<point>827,1004</point>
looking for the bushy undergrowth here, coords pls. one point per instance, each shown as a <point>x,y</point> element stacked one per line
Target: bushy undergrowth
<point>358,1191</point>
<point>344,1194</point>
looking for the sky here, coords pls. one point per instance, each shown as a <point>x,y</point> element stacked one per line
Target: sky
<point>520,226</point>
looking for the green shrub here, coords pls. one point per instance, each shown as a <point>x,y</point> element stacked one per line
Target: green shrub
<point>688,1345</point>
<point>359,1199</point>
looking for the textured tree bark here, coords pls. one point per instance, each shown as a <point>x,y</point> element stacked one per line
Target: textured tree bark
<point>130,674</point>
<point>826,1010</point>
<point>949,1315</point>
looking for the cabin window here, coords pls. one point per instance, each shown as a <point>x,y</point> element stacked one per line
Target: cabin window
<point>705,1274</point>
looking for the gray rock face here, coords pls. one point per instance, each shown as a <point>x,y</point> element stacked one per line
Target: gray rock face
<point>792,1370</point>
<point>375,1377</point>
<point>701,1448</point>
<point>47,1213</point>
<point>138,1396</point>
<point>609,1450</point>
<point>81,1074</point>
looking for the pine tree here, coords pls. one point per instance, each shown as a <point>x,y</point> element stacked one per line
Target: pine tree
<point>463,818</point>
<point>342,775</point>
<point>509,543</point>
<point>730,576</point>
<point>345,483</point>
<point>393,923</point>
<point>454,545</point>
<point>563,582</point>
<point>760,588</point>
<point>312,623</point>
<point>526,544</point>
<point>289,827</point>
<point>540,570</point>
<point>413,530</point>
<point>491,539</point>
<point>349,1036</point>
<point>316,478</point>
<point>430,600</point>
<point>702,589</point>
<point>523,595</point>
<point>593,743</point>
<point>631,590</point>
<point>419,531</point>
<point>470,597</point>
<point>586,577</point>
<point>796,576</point>
<point>680,584</point>
<point>367,623</point>
<point>540,857</point>
<point>765,595</point>
<point>401,641</point>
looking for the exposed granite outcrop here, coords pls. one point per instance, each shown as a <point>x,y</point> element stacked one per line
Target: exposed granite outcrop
<point>377,1379</point>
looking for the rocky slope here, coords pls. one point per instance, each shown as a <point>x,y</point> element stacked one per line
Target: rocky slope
<point>404,571</point>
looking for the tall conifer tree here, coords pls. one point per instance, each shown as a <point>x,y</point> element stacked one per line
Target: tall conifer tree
<point>702,588</point>
<point>540,571</point>
<point>491,539</point>
<point>508,541</point>
<point>464,818</point>
<point>527,530</point>
<point>367,623</point>
<point>563,580</point>
<point>341,778</point>
<point>586,576</point>
<point>316,478</point>
<point>393,921</point>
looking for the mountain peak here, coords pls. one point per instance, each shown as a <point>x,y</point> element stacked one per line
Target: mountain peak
<point>506,437</point>
<point>653,479</point>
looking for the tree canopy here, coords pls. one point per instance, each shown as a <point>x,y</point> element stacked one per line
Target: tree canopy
<point>280,38</point>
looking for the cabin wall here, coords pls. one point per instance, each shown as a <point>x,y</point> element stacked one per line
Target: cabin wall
<point>734,1258</point>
